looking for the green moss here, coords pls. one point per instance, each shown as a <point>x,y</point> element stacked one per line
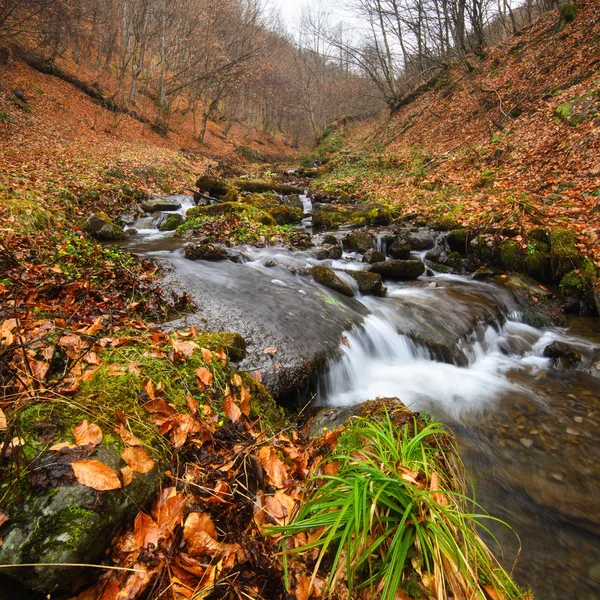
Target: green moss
<point>564,256</point>
<point>539,234</point>
<point>355,215</point>
<point>454,261</point>
<point>257,187</point>
<point>563,111</point>
<point>536,261</point>
<point>232,342</point>
<point>263,406</point>
<point>458,239</point>
<point>511,256</point>
<point>269,203</point>
<point>214,186</point>
<point>580,282</point>
<point>568,13</point>
<point>445,223</point>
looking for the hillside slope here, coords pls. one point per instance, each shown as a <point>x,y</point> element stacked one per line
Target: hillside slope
<point>514,142</point>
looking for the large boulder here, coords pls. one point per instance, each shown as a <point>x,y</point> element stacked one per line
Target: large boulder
<point>358,241</point>
<point>458,241</point>
<point>564,256</point>
<point>368,283</point>
<point>216,187</point>
<point>160,204</point>
<point>293,201</point>
<point>327,277</point>
<point>56,520</point>
<point>256,186</point>
<point>101,227</point>
<point>327,251</point>
<point>422,239</point>
<point>399,269</point>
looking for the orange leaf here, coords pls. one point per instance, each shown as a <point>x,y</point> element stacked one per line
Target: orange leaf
<point>87,433</point>
<point>207,355</point>
<point>127,475</point>
<point>3,425</point>
<point>96,475</point>
<point>273,465</point>
<point>97,326</point>
<point>145,531</point>
<point>169,511</point>
<point>222,356</point>
<point>62,445</point>
<point>197,522</point>
<point>138,460</point>
<point>231,409</point>
<point>204,375</point>
<point>237,380</point>
<point>127,436</point>
<point>245,398</point>
<point>3,517</point>
<point>192,403</point>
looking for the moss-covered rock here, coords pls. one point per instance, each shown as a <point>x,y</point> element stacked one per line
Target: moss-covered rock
<point>101,227</point>
<point>171,223</point>
<point>568,13</point>
<point>216,187</point>
<point>160,203</point>
<point>482,250</point>
<point>536,261</point>
<point>256,186</point>
<point>332,216</point>
<point>539,234</point>
<point>327,277</point>
<point>458,240</point>
<point>230,208</point>
<point>399,269</point>
<point>358,241</point>
<point>564,256</point>
<point>372,256</point>
<point>368,283</point>
<point>511,256</point>
<point>263,406</point>
<point>204,251</point>
<point>580,284</point>
<point>454,261</point>
<point>446,223</point>
<point>272,205</point>
<point>399,249</point>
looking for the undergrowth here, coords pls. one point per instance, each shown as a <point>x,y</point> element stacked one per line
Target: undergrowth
<point>395,517</point>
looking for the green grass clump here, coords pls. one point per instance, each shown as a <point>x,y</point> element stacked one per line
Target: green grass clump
<point>396,516</point>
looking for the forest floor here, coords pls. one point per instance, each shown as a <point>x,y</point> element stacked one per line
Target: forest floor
<point>513,143</point>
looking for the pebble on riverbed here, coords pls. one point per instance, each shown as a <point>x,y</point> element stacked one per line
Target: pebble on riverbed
<point>526,442</point>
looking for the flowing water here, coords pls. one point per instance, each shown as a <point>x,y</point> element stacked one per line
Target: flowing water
<point>457,348</point>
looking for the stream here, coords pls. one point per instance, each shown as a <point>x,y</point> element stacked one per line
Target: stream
<point>460,349</point>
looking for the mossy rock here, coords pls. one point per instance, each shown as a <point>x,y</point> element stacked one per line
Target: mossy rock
<point>230,208</point>
<point>568,14</point>
<point>399,269</point>
<point>581,285</point>
<point>257,187</point>
<point>368,283</point>
<point>100,227</point>
<point>333,216</point>
<point>536,262</point>
<point>231,341</point>
<point>250,154</point>
<point>511,256</point>
<point>539,234</point>
<point>399,249</point>
<point>64,521</point>
<point>216,187</point>
<point>482,250</point>
<point>458,240</point>
<point>358,241</point>
<point>171,223</point>
<point>445,223</point>
<point>442,268</point>
<point>454,261</point>
<point>564,256</point>
<point>327,277</point>
<point>263,405</point>
<point>286,215</point>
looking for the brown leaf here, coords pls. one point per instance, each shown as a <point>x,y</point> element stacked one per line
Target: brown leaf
<point>222,355</point>
<point>207,355</point>
<point>204,375</point>
<point>62,445</point>
<point>245,398</point>
<point>127,436</point>
<point>197,522</point>
<point>97,326</point>
<point>132,368</point>
<point>3,425</point>
<point>237,380</point>
<point>184,348</point>
<point>87,433</point>
<point>168,510</point>
<point>231,409</point>
<point>273,465</point>
<point>96,475</point>
<point>3,517</point>
<point>192,403</point>
<point>138,460</point>
<point>126,475</point>
<point>145,531</point>
<point>270,350</point>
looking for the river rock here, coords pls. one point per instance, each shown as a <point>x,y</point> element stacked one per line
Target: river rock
<point>399,249</point>
<point>399,269</point>
<point>422,239</point>
<point>562,354</point>
<point>101,227</point>
<point>594,368</point>
<point>458,240</point>
<point>160,204</point>
<point>438,254</point>
<point>171,222</point>
<point>216,187</point>
<point>368,283</point>
<point>327,251</point>
<point>373,256</point>
<point>358,241</point>
<point>331,239</point>
<point>63,521</point>
<point>334,215</point>
<point>204,251</point>
<point>327,277</point>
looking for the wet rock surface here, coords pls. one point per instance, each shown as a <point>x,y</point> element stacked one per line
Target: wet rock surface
<point>399,269</point>
<point>160,204</point>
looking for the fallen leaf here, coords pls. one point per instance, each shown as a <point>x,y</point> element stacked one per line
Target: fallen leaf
<point>96,475</point>
<point>192,403</point>
<point>184,348</point>
<point>3,517</point>
<point>127,436</point>
<point>145,531</point>
<point>231,409</point>
<point>273,465</point>
<point>245,398</point>
<point>270,350</point>
<point>237,380</point>
<point>97,326</point>
<point>3,424</point>
<point>197,522</point>
<point>87,433</point>
<point>207,355</point>
<point>138,459</point>
<point>126,475</point>
<point>62,445</point>
<point>204,375</point>
<point>168,512</point>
